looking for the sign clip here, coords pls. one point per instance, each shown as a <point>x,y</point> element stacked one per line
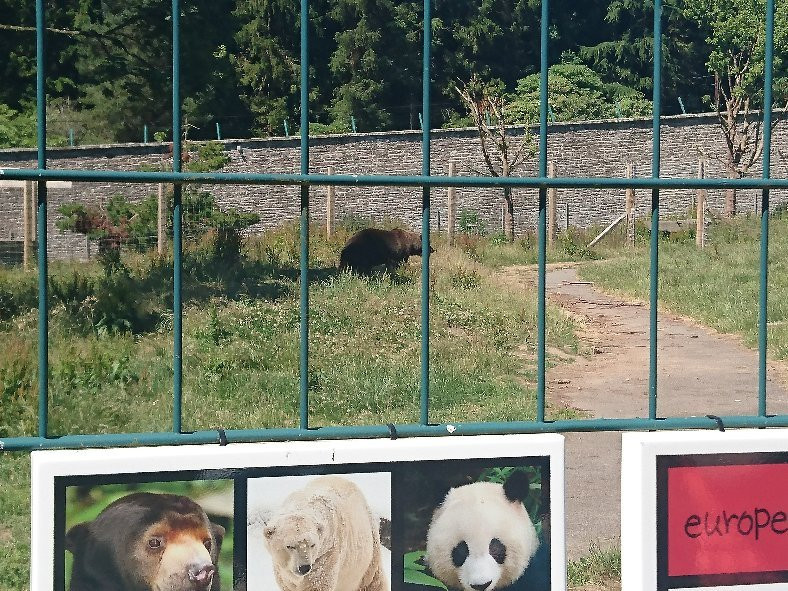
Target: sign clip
<point>222,437</point>
<point>720,426</point>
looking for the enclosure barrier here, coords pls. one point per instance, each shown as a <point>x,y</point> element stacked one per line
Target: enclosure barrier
<point>305,179</point>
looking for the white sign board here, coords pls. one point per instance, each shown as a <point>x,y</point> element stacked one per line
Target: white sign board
<point>705,510</point>
<point>331,515</point>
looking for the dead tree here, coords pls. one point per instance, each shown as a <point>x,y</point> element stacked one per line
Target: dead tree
<point>741,127</point>
<point>503,154</point>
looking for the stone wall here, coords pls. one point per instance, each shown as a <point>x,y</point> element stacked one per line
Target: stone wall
<point>594,149</point>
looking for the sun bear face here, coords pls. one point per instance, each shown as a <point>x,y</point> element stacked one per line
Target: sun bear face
<point>481,537</point>
<point>176,552</point>
<point>294,541</point>
<point>155,542</point>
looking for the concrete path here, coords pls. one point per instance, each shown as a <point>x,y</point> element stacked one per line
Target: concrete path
<point>700,372</point>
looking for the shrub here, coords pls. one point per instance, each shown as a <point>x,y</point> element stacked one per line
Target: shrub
<point>121,222</point>
<point>465,278</point>
<point>470,224</point>
<point>18,293</point>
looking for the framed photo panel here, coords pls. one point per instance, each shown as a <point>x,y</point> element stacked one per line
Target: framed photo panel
<point>461,513</point>
<point>705,510</point>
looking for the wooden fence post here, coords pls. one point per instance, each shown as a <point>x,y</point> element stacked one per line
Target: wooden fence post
<point>161,246</point>
<point>330,206</point>
<point>700,214</point>
<point>27,241</point>
<point>630,207</point>
<point>552,194</point>
<point>34,210</point>
<point>450,208</point>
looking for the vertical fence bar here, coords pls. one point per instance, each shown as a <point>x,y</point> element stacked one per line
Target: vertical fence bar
<point>43,316</point>
<point>304,327</point>
<point>767,149</point>
<point>542,262</point>
<point>177,219</point>
<point>425,218</point>
<point>655,166</point>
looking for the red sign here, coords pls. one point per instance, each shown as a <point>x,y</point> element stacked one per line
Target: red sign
<point>727,519</point>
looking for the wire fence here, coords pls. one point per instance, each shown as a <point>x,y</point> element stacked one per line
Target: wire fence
<point>307,181</point>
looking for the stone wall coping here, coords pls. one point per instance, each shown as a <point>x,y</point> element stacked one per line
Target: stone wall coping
<point>153,148</point>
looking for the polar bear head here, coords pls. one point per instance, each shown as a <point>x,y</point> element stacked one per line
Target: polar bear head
<point>294,541</point>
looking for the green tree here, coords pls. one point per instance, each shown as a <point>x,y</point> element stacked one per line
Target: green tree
<point>625,52</point>
<point>736,37</point>
<point>576,93</point>
<point>17,130</point>
<point>18,51</point>
<point>374,61</point>
<point>268,60</point>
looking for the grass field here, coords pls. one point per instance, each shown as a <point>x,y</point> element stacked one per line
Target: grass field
<point>111,352</point>
<point>717,286</point>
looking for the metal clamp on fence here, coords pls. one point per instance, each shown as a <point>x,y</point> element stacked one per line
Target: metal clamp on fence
<point>720,426</point>
<point>392,431</point>
<point>222,437</point>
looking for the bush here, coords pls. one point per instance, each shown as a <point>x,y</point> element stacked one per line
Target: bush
<point>465,278</point>
<point>470,224</point>
<point>121,222</point>
<point>573,245</point>
<point>18,293</point>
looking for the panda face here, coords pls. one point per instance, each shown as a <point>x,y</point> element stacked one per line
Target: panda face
<point>482,571</point>
<point>479,539</point>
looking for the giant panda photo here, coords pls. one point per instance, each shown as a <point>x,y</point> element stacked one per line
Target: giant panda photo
<point>476,528</point>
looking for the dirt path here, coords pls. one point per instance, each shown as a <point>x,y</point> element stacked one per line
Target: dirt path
<point>700,372</point>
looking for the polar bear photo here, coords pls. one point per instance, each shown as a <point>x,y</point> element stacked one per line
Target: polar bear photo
<point>319,533</point>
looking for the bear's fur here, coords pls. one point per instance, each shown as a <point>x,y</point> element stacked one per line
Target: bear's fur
<point>146,542</point>
<point>324,538</point>
<point>371,247</point>
<point>481,537</point>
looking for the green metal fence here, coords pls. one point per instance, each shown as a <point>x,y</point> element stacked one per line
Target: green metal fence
<point>306,180</point>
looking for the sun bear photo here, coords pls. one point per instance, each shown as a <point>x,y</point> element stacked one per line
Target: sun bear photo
<point>324,538</point>
<point>146,542</point>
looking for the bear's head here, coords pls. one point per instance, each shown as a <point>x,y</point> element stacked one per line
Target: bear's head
<point>413,239</point>
<point>481,537</point>
<point>294,542</point>
<point>146,541</point>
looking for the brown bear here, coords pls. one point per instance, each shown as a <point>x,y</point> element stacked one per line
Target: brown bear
<point>372,247</point>
<point>146,542</point>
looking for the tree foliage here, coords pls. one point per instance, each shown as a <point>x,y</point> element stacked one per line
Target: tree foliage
<point>109,61</point>
<point>736,37</point>
<point>576,92</point>
<point>625,54</point>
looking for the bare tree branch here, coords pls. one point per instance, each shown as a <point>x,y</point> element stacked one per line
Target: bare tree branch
<point>33,29</point>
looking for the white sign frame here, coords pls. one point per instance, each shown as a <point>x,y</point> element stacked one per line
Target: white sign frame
<point>49,466</point>
<point>639,509</point>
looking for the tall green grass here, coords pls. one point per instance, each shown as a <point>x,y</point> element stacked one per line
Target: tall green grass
<point>600,567</point>
<point>717,285</point>
<point>240,351</point>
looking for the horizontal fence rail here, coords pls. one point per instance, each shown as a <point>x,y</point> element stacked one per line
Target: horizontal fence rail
<point>304,179</point>
<point>373,180</point>
<point>385,431</point>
